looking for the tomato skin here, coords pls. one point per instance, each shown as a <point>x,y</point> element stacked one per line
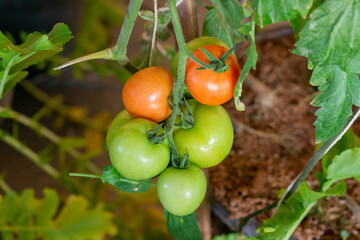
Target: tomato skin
<point>146,92</point>
<point>210,140</point>
<point>192,46</point>
<point>181,191</point>
<point>120,119</point>
<point>207,86</point>
<point>131,153</point>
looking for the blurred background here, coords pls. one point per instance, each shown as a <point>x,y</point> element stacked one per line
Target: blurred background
<point>62,118</point>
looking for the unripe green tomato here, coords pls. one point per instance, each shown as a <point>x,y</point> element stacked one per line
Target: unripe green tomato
<point>192,46</point>
<point>120,119</point>
<point>181,191</point>
<point>210,140</point>
<point>131,153</point>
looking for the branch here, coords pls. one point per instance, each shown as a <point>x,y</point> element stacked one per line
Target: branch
<point>5,187</point>
<point>56,105</point>
<point>153,39</point>
<point>27,152</point>
<point>50,135</point>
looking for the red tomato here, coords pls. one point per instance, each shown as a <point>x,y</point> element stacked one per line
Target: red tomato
<point>146,92</point>
<point>207,86</point>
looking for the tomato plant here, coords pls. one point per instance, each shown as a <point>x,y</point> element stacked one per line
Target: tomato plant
<point>181,191</point>
<point>146,92</point>
<point>210,140</point>
<point>207,86</point>
<point>131,153</point>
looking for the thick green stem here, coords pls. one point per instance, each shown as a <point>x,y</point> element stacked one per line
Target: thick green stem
<point>50,135</point>
<point>27,152</point>
<point>126,29</point>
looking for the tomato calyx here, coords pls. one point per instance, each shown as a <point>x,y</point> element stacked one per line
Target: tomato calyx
<point>154,136</point>
<point>217,65</point>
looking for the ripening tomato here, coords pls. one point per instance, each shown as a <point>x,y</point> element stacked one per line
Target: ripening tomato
<point>131,153</point>
<point>181,191</point>
<point>210,140</point>
<point>146,92</point>
<point>207,86</point>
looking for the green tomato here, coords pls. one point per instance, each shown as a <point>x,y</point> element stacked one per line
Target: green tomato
<point>181,191</point>
<point>210,140</point>
<point>122,118</point>
<point>131,153</point>
<point>192,46</point>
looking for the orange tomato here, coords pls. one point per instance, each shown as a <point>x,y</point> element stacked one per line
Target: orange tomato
<point>207,86</point>
<point>146,92</point>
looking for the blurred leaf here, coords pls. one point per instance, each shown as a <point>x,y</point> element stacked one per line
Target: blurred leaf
<point>224,20</point>
<point>36,47</point>
<point>6,114</point>
<point>182,227</point>
<point>38,218</point>
<point>230,236</point>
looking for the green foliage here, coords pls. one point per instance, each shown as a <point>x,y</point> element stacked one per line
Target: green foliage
<point>224,20</point>
<point>248,30</point>
<point>273,11</point>
<point>230,236</point>
<point>328,40</point>
<point>163,20</point>
<point>292,212</point>
<point>339,91</point>
<point>37,47</point>
<point>25,217</point>
<point>182,227</point>
<point>111,176</point>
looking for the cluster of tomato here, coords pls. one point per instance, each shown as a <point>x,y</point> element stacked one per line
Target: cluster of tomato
<point>207,142</point>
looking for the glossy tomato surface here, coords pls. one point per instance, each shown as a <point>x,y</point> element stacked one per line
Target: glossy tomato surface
<point>181,191</point>
<point>146,92</point>
<point>192,46</point>
<point>207,86</point>
<point>131,153</point>
<point>210,140</point>
<point>120,119</point>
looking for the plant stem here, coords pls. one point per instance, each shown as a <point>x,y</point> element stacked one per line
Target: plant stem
<point>56,105</point>
<point>317,156</point>
<point>84,175</point>
<point>6,73</point>
<point>5,187</point>
<point>121,46</point>
<point>43,131</point>
<point>153,39</point>
<point>27,152</point>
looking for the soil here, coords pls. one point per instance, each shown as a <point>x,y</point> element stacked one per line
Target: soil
<point>273,142</point>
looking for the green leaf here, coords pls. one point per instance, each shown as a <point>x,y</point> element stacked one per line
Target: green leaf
<point>331,36</point>
<point>293,211</point>
<point>249,30</point>
<point>272,11</point>
<point>182,227</point>
<point>346,165</point>
<point>111,176</point>
<point>339,90</point>
<point>230,236</point>
<point>213,27</point>
<point>6,114</point>
<point>13,81</point>
<point>42,218</point>
<point>349,140</point>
